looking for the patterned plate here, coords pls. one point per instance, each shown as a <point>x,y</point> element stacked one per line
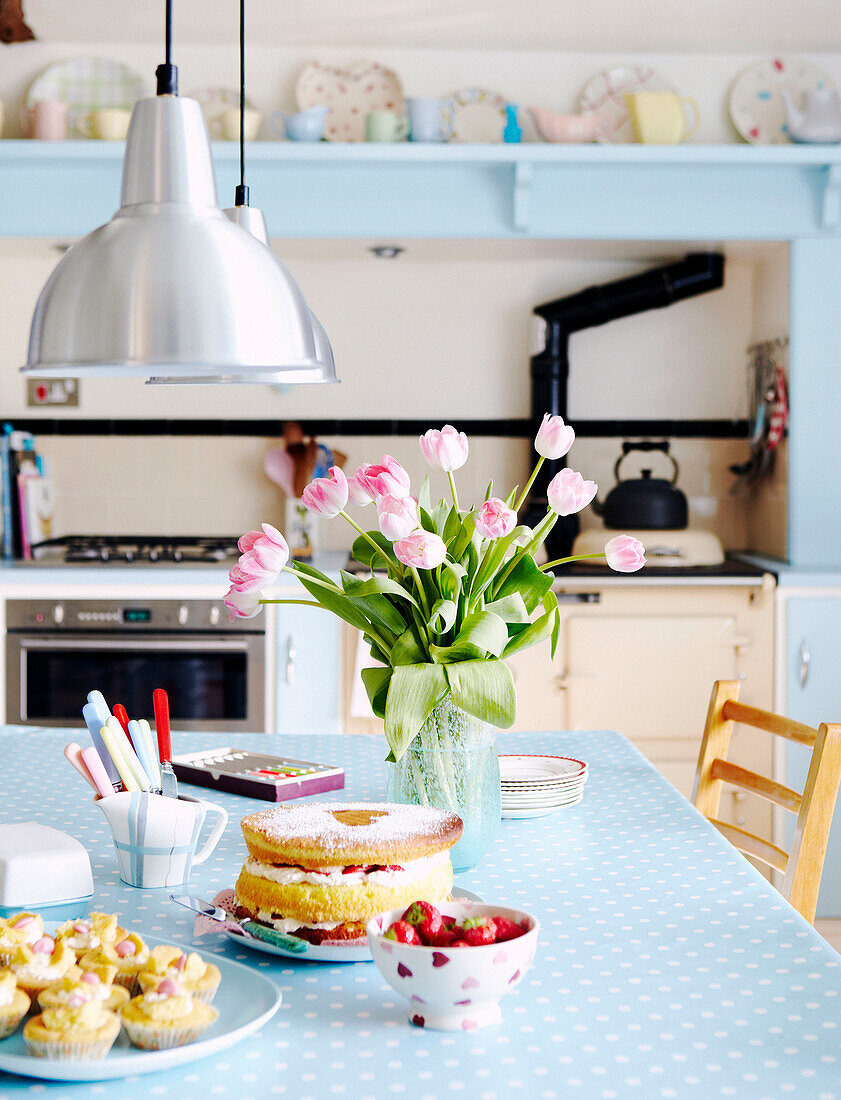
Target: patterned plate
<point>87,84</point>
<point>476,115</point>
<point>351,94</point>
<point>756,105</point>
<point>603,95</point>
<point>528,768</point>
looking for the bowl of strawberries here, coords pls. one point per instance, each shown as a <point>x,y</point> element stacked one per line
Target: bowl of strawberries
<point>453,963</point>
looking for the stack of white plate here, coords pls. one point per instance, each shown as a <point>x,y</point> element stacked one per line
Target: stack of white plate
<point>534,786</point>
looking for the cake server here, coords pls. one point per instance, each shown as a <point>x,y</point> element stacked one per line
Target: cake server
<point>250,928</point>
<point>169,784</point>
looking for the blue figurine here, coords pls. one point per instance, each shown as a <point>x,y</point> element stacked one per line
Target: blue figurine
<point>512,134</point>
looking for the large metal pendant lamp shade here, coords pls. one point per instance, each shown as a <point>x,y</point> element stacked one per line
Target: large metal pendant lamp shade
<point>171,289</point>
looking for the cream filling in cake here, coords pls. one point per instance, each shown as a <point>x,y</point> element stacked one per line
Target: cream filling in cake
<point>336,876</point>
<point>286,925</point>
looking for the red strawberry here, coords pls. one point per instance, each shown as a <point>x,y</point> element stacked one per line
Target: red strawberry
<point>403,933</point>
<point>479,931</point>
<point>349,870</point>
<point>446,936</point>
<point>507,929</point>
<point>426,918</point>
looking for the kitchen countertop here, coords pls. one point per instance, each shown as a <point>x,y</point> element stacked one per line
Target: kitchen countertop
<point>667,966</point>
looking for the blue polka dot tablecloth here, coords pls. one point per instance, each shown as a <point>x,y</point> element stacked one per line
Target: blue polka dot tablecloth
<point>666,967</point>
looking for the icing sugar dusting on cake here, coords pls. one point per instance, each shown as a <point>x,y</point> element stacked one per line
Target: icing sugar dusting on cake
<point>332,824</point>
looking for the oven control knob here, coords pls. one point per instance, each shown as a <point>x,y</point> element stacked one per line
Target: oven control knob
<point>214,616</point>
<point>58,613</point>
<point>183,614</point>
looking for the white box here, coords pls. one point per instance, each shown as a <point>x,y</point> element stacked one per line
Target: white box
<point>42,868</point>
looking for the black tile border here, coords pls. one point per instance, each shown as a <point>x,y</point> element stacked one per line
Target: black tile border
<point>272,429</point>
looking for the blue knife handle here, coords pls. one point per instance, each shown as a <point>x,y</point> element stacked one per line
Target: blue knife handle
<point>278,939</point>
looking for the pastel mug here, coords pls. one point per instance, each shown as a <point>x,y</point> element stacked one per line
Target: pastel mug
<point>46,120</point>
<point>385,126</point>
<point>306,125</point>
<point>660,118</point>
<point>107,124</point>
<point>156,838</point>
<point>428,119</point>
<point>226,124</point>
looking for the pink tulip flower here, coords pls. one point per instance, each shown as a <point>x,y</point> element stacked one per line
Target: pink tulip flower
<point>554,438</point>
<point>444,450</point>
<point>421,550</point>
<point>243,605</point>
<point>356,492</point>
<point>495,519</point>
<point>397,516</point>
<point>262,562</point>
<point>388,478</point>
<point>247,540</point>
<point>568,492</point>
<point>327,495</point>
<point>625,554</point>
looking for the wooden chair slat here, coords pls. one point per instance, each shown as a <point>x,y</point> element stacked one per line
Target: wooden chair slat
<point>777,724</point>
<point>752,845</point>
<point>766,788</point>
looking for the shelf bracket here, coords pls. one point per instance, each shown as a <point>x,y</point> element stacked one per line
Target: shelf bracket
<point>521,203</point>
<point>831,205</point>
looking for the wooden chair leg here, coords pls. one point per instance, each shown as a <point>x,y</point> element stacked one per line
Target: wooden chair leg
<point>706,792</point>
<point>805,861</point>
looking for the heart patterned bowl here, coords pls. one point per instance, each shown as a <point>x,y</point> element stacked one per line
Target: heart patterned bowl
<point>454,989</point>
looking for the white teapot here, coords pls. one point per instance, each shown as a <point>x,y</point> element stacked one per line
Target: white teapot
<point>820,119</point>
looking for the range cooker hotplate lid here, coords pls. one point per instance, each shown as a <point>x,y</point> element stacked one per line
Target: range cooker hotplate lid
<point>663,549</point>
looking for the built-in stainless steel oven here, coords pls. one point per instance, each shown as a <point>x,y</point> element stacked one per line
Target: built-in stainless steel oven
<point>212,667</point>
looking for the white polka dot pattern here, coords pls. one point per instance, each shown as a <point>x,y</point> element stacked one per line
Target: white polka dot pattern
<point>666,967</point>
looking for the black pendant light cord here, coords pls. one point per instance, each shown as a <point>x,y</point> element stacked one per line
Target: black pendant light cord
<point>167,74</point>
<point>241,194</point>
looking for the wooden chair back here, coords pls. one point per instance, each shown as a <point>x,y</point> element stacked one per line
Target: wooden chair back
<point>801,866</point>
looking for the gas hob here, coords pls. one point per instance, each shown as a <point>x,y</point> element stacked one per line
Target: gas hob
<point>140,549</point>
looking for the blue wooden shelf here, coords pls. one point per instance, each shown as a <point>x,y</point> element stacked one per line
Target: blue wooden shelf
<point>581,192</point>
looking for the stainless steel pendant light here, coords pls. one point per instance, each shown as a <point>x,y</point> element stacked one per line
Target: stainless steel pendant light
<point>171,289</point>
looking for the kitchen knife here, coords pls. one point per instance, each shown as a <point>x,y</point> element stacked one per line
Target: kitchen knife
<point>251,929</point>
<point>169,784</point>
<point>146,754</point>
<point>91,714</point>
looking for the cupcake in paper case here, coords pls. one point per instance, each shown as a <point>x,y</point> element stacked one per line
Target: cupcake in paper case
<point>194,976</point>
<point>14,1003</point>
<point>167,1018</point>
<point>72,1033</point>
<point>77,987</point>
<point>40,964</point>
<point>16,931</point>
<point>90,933</point>
<point>128,954</point>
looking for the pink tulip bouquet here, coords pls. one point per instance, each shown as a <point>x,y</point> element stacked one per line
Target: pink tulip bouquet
<point>452,592</point>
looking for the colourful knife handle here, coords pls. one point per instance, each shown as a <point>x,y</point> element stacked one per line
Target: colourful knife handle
<point>73,755</point>
<point>160,702</point>
<point>90,713</point>
<point>278,939</point>
<point>97,770</point>
<point>121,714</point>
<point>128,754</point>
<point>113,747</point>
<point>152,751</point>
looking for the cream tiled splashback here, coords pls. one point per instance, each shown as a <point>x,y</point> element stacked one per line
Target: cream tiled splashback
<point>215,484</point>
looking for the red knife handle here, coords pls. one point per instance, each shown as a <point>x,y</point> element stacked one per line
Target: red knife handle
<point>121,714</point>
<point>160,702</point>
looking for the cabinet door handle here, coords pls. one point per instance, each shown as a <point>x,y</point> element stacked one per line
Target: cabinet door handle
<point>805,661</point>
<point>291,657</point>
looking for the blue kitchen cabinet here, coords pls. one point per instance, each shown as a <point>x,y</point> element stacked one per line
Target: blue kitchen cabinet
<point>307,670</point>
<point>813,695</point>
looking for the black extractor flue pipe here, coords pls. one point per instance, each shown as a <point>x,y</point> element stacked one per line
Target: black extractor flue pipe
<point>696,274</point>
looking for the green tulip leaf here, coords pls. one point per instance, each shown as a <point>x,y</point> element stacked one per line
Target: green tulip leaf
<point>484,689</point>
<point>413,693</point>
<point>363,552</point>
<point>510,609</point>
<point>407,650</point>
<point>527,579</point>
<point>376,681</point>
<point>461,538</point>
<point>442,616</point>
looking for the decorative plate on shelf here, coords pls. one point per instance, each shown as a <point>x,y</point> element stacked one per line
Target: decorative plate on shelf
<point>351,94</point>
<point>87,84</point>
<point>476,115</point>
<point>756,103</point>
<point>603,95</point>
<point>214,101</point>
<point>246,1000</point>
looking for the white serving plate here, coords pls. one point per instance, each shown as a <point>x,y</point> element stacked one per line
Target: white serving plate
<point>527,768</point>
<point>518,812</point>
<point>337,952</point>
<point>246,1000</point>
<point>755,101</point>
<point>543,784</point>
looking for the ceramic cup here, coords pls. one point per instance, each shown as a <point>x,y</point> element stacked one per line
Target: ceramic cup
<point>305,125</point>
<point>428,119</point>
<point>660,118</point>
<point>566,128</point>
<point>47,120</point>
<point>156,838</point>
<point>107,124</point>
<point>227,124</point>
<point>385,126</point>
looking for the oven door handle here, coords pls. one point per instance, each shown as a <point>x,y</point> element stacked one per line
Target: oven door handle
<point>234,645</point>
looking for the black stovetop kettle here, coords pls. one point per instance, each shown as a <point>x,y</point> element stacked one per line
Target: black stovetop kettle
<point>644,503</point>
